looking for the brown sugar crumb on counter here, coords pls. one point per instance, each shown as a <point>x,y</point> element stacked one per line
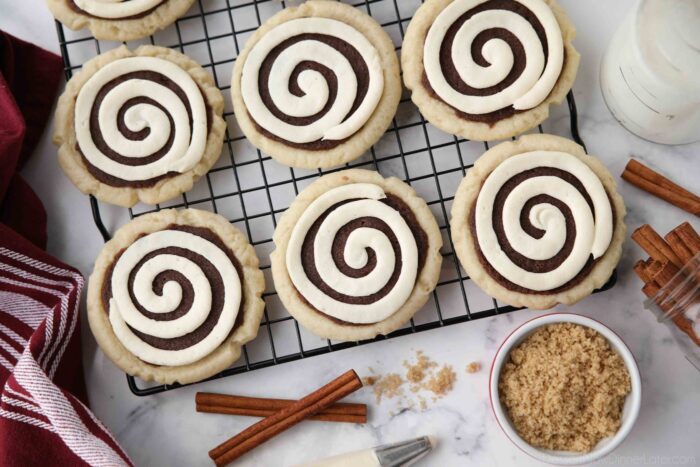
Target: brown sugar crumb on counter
<point>423,375</point>
<point>441,383</point>
<point>388,386</point>
<point>423,403</point>
<point>564,388</point>
<point>473,367</point>
<point>369,380</point>
<point>416,373</point>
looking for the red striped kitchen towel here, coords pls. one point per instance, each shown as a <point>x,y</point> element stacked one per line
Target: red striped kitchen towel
<point>41,421</point>
<point>44,419</point>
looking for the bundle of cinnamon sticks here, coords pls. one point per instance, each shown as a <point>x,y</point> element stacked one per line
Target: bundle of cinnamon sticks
<point>668,255</point>
<point>281,414</point>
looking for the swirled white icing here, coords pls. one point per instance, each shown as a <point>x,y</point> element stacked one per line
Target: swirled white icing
<point>594,228</point>
<point>124,314</point>
<point>188,141</point>
<point>364,203</point>
<point>336,124</point>
<point>116,9</point>
<point>528,90</point>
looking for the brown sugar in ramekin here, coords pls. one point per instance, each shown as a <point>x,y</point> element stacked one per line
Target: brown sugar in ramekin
<point>564,388</point>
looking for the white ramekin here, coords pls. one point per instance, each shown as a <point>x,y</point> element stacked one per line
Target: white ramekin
<point>629,412</point>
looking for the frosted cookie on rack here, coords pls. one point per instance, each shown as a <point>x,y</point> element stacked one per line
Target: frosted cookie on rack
<point>139,126</point>
<point>118,20</point>
<point>174,295</point>
<point>538,222</point>
<point>316,85</point>
<point>488,70</point>
<point>356,255</point>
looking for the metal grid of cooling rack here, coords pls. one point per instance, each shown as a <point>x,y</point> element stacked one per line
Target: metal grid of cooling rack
<point>252,190</point>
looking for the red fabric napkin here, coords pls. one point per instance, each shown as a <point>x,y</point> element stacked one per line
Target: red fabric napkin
<point>44,419</point>
<point>29,78</point>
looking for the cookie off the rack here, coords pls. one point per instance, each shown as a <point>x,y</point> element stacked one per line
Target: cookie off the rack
<point>488,70</point>
<point>139,126</point>
<point>316,85</point>
<point>174,295</point>
<point>120,20</point>
<point>537,222</point>
<point>356,255</point>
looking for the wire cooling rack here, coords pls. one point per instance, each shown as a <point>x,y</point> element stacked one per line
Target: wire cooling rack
<point>252,190</point>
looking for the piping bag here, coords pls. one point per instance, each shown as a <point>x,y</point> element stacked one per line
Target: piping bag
<point>388,455</point>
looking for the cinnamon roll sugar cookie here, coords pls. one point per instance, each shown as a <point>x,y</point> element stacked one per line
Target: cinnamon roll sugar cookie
<point>174,295</point>
<point>139,126</point>
<point>538,222</point>
<point>118,20</point>
<point>316,85</point>
<point>488,69</point>
<point>356,255</point>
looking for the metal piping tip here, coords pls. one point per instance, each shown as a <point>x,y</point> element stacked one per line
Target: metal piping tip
<point>404,453</point>
<point>433,441</point>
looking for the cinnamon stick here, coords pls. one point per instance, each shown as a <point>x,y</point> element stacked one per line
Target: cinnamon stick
<point>685,325</point>
<point>320,417</point>
<point>653,267</point>
<point>656,184</point>
<point>678,246</point>
<point>642,170</point>
<point>685,241</point>
<point>690,238</point>
<point>641,269</point>
<point>650,289</point>
<point>263,407</point>
<point>655,246</point>
<point>265,429</point>
<point>665,274</point>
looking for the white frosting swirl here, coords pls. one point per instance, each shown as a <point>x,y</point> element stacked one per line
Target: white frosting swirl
<point>188,141</point>
<point>365,203</point>
<point>336,123</point>
<point>528,90</point>
<point>116,9</point>
<point>594,228</point>
<point>123,313</point>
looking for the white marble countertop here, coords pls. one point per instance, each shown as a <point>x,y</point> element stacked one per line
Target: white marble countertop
<point>165,430</point>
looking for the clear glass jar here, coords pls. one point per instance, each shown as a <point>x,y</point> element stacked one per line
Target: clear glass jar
<point>677,305</point>
<point>650,74</point>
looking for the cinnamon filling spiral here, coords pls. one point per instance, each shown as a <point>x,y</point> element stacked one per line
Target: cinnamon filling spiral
<point>139,119</point>
<point>311,83</point>
<point>173,296</point>
<point>540,221</point>
<point>489,59</point>
<point>355,253</point>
